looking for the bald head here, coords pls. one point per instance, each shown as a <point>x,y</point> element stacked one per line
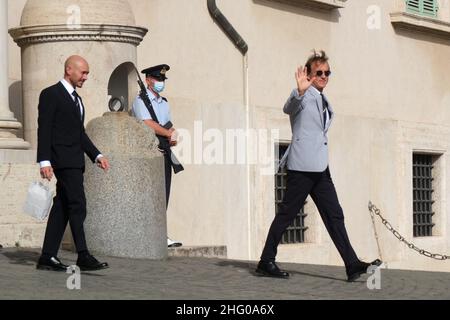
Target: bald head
<point>76,70</point>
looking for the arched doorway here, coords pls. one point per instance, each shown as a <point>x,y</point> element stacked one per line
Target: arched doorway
<point>122,87</point>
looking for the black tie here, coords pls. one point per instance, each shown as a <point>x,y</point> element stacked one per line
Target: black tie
<point>77,103</point>
<point>325,110</point>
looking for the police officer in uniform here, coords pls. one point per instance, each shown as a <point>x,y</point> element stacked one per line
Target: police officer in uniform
<point>155,78</point>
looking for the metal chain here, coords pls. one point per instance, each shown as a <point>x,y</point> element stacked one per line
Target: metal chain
<point>374,210</point>
<point>376,236</point>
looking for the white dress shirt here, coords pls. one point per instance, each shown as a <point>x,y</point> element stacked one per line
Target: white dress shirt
<point>327,112</point>
<point>70,89</point>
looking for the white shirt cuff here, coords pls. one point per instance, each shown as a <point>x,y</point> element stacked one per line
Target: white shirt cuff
<point>98,157</point>
<point>44,164</point>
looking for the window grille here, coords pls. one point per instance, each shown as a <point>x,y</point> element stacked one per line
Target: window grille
<point>423,195</point>
<point>295,233</point>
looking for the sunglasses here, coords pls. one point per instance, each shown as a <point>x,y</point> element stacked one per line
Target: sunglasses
<point>320,73</point>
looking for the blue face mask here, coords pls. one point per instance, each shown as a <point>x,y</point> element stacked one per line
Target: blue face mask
<point>159,86</point>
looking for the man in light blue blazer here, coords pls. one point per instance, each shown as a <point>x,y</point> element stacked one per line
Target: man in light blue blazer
<point>310,115</point>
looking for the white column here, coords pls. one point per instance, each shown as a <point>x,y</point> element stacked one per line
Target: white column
<point>8,124</point>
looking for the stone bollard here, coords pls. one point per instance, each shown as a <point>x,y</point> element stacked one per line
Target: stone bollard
<point>126,214</point>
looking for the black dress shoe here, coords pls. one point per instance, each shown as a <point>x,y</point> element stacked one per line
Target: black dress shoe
<point>270,269</point>
<point>89,263</point>
<point>355,270</point>
<point>51,264</point>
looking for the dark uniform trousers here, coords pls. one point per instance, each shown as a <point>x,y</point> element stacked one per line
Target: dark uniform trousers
<point>321,188</point>
<point>69,205</point>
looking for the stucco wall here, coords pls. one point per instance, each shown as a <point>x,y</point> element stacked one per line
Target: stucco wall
<point>386,82</point>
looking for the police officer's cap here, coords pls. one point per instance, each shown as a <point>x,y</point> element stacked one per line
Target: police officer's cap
<point>158,72</point>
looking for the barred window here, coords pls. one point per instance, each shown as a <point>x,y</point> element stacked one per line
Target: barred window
<point>422,7</point>
<point>423,194</point>
<point>295,233</point>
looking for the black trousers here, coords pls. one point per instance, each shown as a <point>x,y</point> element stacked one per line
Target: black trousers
<point>168,177</point>
<point>321,188</point>
<point>69,205</point>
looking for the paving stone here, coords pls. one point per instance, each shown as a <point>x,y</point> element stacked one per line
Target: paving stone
<point>187,278</point>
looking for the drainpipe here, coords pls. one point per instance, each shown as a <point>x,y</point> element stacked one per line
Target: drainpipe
<point>242,46</point>
<point>226,26</point>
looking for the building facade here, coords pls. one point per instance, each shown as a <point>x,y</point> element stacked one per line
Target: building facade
<point>389,143</point>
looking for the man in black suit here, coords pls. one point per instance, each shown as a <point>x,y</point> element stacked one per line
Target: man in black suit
<point>62,142</point>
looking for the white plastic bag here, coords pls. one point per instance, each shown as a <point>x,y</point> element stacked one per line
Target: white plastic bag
<point>39,201</point>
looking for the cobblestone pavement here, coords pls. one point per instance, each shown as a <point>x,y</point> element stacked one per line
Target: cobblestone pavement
<point>202,278</point>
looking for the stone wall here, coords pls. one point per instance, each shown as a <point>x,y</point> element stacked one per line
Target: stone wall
<point>17,228</point>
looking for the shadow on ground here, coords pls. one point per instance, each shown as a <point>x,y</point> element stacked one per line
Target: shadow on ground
<point>250,266</point>
<point>27,257</point>
<point>22,257</point>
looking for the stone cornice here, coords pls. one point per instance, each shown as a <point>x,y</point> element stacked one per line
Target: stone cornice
<point>316,4</point>
<point>86,32</point>
<point>417,22</point>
